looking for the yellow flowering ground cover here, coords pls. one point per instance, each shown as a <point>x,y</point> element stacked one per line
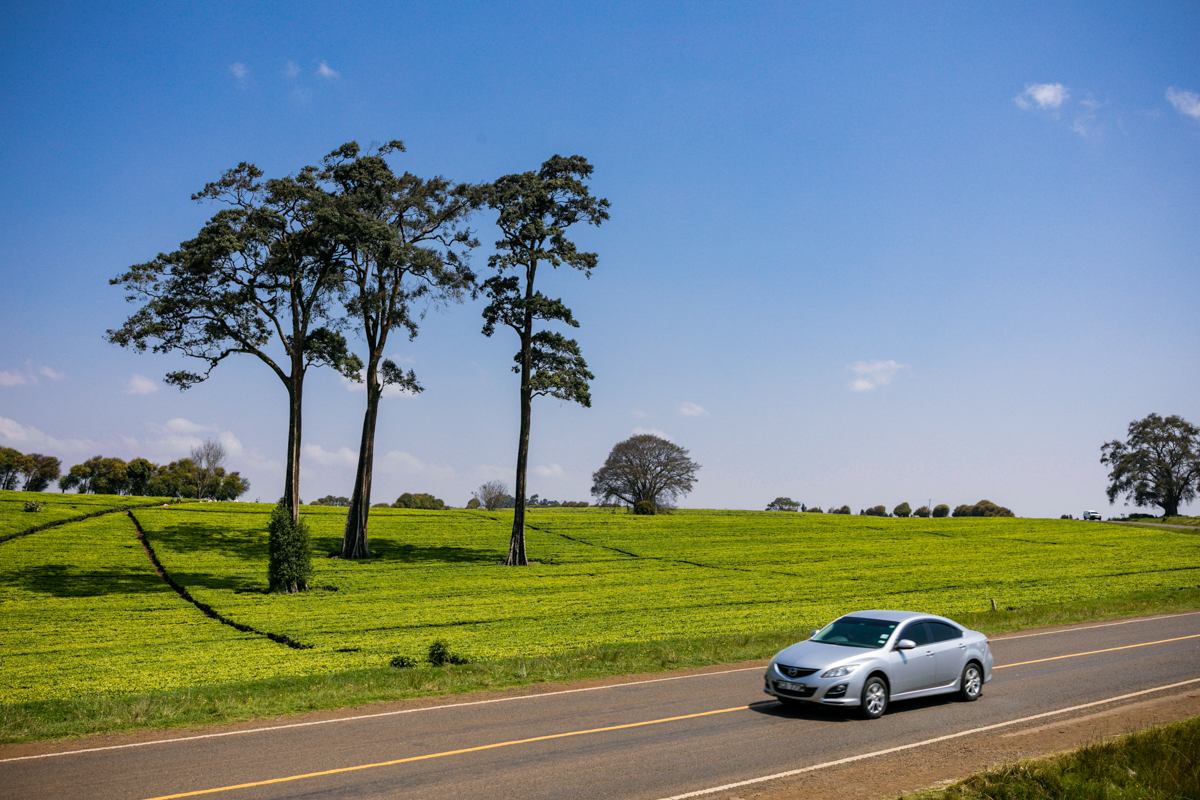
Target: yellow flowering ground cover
<point>54,508</point>
<point>598,577</point>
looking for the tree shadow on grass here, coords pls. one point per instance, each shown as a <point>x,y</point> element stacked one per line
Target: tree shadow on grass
<point>198,538</point>
<point>58,580</point>
<point>394,552</point>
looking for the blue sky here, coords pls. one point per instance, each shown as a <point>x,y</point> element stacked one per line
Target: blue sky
<point>863,255</point>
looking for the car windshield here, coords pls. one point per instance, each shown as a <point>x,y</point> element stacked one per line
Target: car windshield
<point>856,632</point>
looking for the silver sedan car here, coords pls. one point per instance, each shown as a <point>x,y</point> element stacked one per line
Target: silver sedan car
<point>869,658</point>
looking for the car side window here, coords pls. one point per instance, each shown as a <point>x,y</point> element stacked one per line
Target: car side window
<point>941,632</point>
<point>916,632</point>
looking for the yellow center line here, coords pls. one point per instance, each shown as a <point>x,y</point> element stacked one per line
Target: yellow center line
<point>1094,652</point>
<point>450,753</point>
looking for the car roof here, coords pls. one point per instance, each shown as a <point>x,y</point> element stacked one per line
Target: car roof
<point>892,615</point>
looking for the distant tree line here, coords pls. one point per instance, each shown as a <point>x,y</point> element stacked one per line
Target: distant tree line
<point>984,508</point>
<point>202,475</point>
<point>31,472</point>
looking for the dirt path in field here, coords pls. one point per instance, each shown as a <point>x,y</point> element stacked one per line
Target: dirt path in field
<point>944,763</point>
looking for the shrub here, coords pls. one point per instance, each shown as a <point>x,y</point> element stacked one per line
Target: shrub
<point>422,501</point>
<point>473,503</point>
<point>814,510</point>
<point>330,500</point>
<point>644,507</point>
<point>902,510</point>
<point>923,511</point>
<point>1066,516</point>
<point>380,505</point>
<point>984,508</point>
<point>843,510</point>
<point>440,655</point>
<point>33,505</point>
<point>875,511</point>
<point>941,510</point>
<point>403,662</point>
<point>289,553</point>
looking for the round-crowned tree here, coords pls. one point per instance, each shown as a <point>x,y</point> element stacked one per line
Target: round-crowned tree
<point>645,468</point>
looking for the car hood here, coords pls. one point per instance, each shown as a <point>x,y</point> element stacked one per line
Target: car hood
<point>815,655</point>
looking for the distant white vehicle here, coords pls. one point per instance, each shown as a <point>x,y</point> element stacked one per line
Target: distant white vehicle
<point>1092,515</point>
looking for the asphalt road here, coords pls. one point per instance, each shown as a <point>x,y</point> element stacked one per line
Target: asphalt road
<point>651,739</point>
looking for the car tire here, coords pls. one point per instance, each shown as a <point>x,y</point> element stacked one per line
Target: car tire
<point>970,686</point>
<point>874,700</point>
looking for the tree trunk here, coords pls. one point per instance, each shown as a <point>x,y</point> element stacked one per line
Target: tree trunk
<point>291,488</point>
<point>354,540</point>
<point>516,545</point>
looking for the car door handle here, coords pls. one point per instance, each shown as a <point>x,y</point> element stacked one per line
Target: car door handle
<point>962,647</point>
<point>929,653</point>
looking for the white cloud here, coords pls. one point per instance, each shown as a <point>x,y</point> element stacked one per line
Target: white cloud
<point>26,438</point>
<point>325,72</point>
<point>651,431</point>
<point>29,376</point>
<point>1185,102</point>
<point>291,69</point>
<point>548,471</point>
<point>639,414</point>
<point>181,425</point>
<point>1042,95</point>
<point>140,384</point>
<point>239,71</point>
<point>343,456</point>
<point>408,464</point>
<point>232,444</point>
<point>692,410</point>
<point>873,374</point>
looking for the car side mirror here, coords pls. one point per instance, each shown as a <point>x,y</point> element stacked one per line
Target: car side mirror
<point>905,644</point>
<point>814,633</point>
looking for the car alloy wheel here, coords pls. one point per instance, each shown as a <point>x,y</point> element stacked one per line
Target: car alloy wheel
<point>971,685</point>
<point>874,698</point>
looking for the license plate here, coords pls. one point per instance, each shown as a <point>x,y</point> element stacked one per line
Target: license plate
<point>789,687</point>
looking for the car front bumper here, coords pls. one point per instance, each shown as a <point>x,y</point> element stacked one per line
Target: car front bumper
<point>843,691</point>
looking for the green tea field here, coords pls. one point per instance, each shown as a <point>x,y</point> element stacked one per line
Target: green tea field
<point>83,612</point>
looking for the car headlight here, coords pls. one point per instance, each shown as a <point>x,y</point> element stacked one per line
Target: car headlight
<point>839,672</point>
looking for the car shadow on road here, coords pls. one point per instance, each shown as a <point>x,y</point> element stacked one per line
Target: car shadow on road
<point>815,712</point>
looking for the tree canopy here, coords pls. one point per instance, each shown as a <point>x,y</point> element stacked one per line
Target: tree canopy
<point>257,280</point>
<point>783,504</point>
<point>645,468</point>
<point>1157,465</point>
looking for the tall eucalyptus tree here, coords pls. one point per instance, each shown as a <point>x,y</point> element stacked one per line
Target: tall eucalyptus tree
<point>259,280</point>
<point>535,211</point>
<point>406,243</point>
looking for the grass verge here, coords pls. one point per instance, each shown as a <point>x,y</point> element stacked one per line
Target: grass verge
<point>275,697</point>
<point>1154,764</point>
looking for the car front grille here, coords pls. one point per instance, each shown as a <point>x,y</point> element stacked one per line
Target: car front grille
<point>795,672</point>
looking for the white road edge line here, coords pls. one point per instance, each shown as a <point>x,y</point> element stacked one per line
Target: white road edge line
<point>1090,627</point>
<point>372,716</point>
<point>877,753</point>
